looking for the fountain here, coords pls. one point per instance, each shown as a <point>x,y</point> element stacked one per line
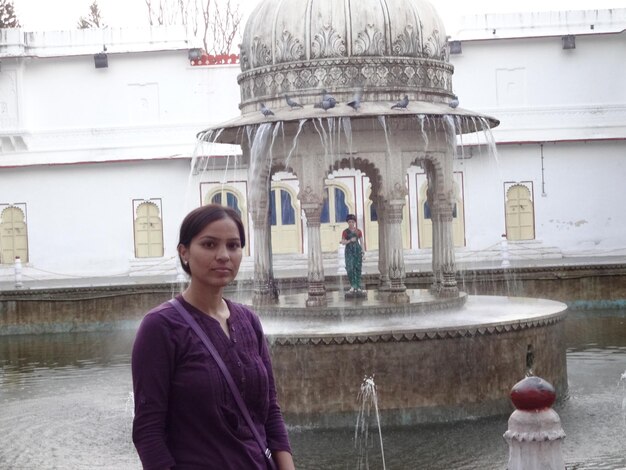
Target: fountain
<point>438,354</point>
<point>368,400</point>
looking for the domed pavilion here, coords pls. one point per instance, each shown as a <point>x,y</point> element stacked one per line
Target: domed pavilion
<point>373,53</point>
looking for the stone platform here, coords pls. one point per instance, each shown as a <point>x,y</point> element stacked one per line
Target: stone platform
<point>432,366</point>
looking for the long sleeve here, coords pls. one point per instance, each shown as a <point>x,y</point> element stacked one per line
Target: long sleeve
<point>152,366</point>
<point>275,429</point>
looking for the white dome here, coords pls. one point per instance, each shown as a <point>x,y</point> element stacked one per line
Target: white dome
<point>284,31</point>
<point>387,47</point>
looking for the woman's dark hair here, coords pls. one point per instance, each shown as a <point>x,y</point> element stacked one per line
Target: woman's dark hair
<point>199,218</point>
<point>351,217</point>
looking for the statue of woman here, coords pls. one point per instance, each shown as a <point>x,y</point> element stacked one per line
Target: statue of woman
<point>351,238</point>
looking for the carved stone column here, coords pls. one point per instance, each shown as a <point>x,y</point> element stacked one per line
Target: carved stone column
<point>265,290</point>
<point>436,228</point>
<point>312,204</point>
<point>446,277</point>
<point>395,251</point>
<point>383,264</point>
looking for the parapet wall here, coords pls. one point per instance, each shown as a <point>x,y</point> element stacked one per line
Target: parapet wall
<point>122,307</point>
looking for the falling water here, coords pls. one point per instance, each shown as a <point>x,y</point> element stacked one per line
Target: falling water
<point>129,408</point>
<point>458,122</point>
<point>424,135</point>
<point>347,130</point>
<point>450,131</point>
<point>260,158</point>
<point>622,385</point>
<point>295,142</point>
<point>383,123</point>
<point>368,399</point>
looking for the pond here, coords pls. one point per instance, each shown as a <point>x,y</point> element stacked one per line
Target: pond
<point>66,403</point>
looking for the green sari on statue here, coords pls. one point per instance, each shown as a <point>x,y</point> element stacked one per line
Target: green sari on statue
<point>354,256</point>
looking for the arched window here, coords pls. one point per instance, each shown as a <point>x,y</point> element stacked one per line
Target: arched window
<point>13,235</point>
<point>284,207</point>
<point>232,200</point>
<point>337,201</point>
<point>231,196</point>
<point>373,213</point>
<point>148,230</point>
<point>285,219</point>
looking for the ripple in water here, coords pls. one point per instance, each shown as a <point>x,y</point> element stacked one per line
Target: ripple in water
<point>67,404</point>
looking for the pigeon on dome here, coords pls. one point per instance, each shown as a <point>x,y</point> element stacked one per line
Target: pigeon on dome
<point>267,112</point>
<point>402,104</point>
<point>292,104</point>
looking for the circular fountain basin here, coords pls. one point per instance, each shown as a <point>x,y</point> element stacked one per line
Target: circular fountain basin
<point>428,364</point>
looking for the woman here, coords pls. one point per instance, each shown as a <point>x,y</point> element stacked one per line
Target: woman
<point>351,238</point>
<point>186,417</point>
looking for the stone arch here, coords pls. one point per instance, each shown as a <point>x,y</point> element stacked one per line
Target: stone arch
<point>366,167</point>
<point>334,212</point>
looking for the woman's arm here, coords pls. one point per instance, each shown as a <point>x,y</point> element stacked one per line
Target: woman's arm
<point>152,366</point>
<point>283,460</point>
<point>275,429</point>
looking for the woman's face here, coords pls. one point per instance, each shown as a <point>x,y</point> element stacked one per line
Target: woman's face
<point>351,224</point>
<point>214,254</point>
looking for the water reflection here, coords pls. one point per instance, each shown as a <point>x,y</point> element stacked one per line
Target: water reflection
<point>64,405</point>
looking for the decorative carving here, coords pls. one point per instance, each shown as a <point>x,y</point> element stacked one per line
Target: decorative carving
<point>434,47</point>
<point>407,43</point>
<point>367,71</point>
<point>397,193</point>
<point>370,42</point>
<point>328,43</point>
<point>218,59</point>
<point>309,196</point>
<point>261,53</point>
<point>288,48</point>
<point>244,61</point>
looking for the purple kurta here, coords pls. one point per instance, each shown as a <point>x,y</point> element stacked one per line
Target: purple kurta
<point>185,414</point>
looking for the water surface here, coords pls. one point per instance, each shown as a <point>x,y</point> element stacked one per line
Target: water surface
<point>65,405</point>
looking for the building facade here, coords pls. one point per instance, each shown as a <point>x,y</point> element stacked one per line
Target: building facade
<point>99,161</point>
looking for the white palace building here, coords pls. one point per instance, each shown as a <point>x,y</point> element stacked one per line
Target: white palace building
<point>99,160</point>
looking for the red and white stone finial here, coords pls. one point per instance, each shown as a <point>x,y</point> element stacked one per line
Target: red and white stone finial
<point>533,393</point>
<point>535,433</point>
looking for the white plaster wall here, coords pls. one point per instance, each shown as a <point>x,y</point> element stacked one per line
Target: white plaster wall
<point>80,217</point>
<point>589,74</point>
<point>580,212</point>
<point>136,89</point>
<point>584,187</point>
<point>541,92</point>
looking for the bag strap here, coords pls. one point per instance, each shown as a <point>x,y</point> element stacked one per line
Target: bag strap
<point>229,379</point>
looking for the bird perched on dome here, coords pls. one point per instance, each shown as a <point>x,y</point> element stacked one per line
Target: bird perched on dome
<point>402,104</point>
<point>454,102</point>
<point>327,103</point>
<point>267,112</point>
<point>292,104</point>
<point>356,102</point>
